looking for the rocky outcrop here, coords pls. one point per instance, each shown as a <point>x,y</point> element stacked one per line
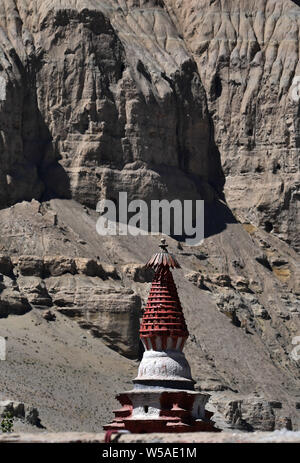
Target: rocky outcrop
<point>252,414</point>
<point>247,54</point>
<point>138,272</point>
<point>111,313</point>
<point>11,300</point>
<point>248,413</point>
<point>21,412</point>
<point>34,290</point>
<point>115,104</point>
<point>140,96</point>
<point>80,288</point>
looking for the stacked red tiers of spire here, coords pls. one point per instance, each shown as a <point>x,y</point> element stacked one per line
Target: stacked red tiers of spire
<point>163,325</point>
<point>163,315</point>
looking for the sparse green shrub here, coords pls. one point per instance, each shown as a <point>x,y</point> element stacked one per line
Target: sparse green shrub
<point>7,422</point>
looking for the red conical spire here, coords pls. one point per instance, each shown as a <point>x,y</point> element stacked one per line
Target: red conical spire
<point>163,258</point>
<point>163,325</point>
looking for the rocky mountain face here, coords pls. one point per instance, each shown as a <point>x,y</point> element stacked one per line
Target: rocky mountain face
<point>105,99</point>
<point>247,54</point>
<point>161,99</point>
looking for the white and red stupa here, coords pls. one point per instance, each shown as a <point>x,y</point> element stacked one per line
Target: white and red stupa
<point>163,398</point>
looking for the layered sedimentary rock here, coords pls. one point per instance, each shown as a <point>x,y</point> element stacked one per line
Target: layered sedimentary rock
<point>241,302</point>
<point>247,53</point>
<point>111,95</point>
<point>106,97</point>
<point>154,98</point>
<point>80,288</point>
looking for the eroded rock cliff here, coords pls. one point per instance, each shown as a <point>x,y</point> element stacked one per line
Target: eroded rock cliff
<point>247,54</point>
<point>105,97</point>
<point>161,99</point>
<point>132,95</point>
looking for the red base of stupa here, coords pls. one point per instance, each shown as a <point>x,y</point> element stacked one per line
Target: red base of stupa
<point>176,419</point>
<point>164,424</point>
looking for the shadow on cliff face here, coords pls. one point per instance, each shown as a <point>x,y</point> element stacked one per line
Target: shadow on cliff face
<point>56,183</point>
<point>216,213</point>
<point>216,217</point>
<point>181,160</point>
<point>169,189</point>
<point>51,173</point>
<point>38,145</point>
<point>29,167</point>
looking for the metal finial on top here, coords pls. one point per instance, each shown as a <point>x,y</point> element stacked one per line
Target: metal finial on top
<point>163,245</point>
<point>163,258</point>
